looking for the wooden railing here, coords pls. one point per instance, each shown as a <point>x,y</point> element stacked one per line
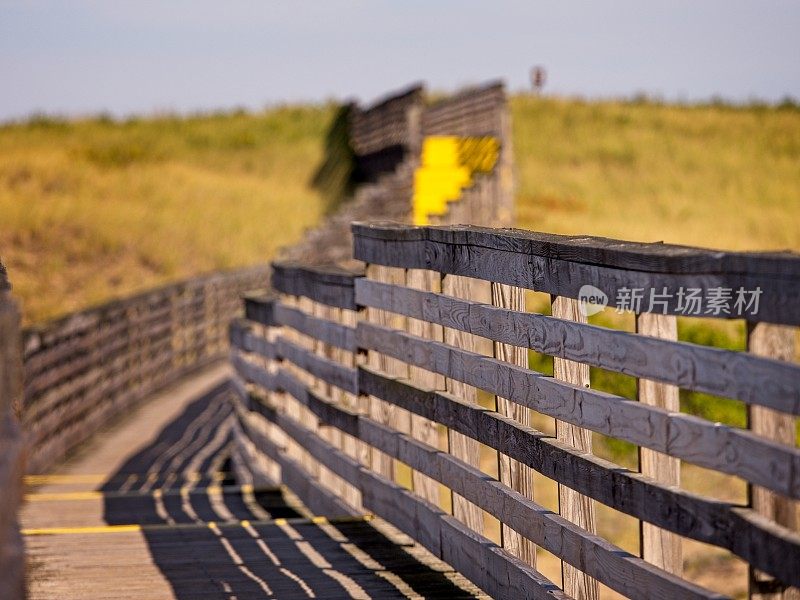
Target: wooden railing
<point>381,391</point>
<point>91,366</point>
<point>12,562</point>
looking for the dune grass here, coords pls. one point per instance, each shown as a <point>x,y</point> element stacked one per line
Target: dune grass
<point>95,209</point>
<point>714,176</point>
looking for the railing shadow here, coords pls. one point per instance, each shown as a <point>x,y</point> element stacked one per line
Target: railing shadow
<point>335,176</point>
<point>212,538</point>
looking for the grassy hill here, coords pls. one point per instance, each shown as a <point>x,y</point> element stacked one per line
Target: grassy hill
<point>703,175</point>
<point>94,208</point>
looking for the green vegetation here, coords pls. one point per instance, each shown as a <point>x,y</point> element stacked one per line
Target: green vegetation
<point>94,209</point>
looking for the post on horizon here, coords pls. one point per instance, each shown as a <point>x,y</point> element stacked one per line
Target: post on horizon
<point>538,79</point>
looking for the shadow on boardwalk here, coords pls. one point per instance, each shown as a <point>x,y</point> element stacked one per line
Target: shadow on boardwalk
<point>192,511</point>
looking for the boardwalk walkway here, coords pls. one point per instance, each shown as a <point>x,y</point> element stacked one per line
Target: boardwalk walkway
<point>149,509</point>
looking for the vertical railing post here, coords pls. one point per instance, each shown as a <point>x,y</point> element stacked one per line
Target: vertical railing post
<point>379,410</point>
<point>572,505</point>
<point>422,429</point>
<point>514,474</point>
<point>658,546</point>
<point>12,561</point>
<point>776,342</point>
<point>460,445</point>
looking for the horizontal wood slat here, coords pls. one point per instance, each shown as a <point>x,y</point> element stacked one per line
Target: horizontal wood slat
<point>323,330</point>
<point>562,269</point>
<point>469,553</point>
<point>738,375</point>
<point>323,368</point>
<point>755,539</point>
<point>329,285</point>
<point>637,256</point>
<point>242,336</point>
<point>726,449</point>
<point>737,529</point>
<point>621,571</point>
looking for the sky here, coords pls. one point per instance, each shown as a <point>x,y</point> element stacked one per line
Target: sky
<point>84,57</point>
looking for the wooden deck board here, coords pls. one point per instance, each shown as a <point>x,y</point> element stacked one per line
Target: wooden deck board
<point>197,534</point>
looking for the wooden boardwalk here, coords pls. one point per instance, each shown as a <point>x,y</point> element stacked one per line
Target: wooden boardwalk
<point>149,509</point>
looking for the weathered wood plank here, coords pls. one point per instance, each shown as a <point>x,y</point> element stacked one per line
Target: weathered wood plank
<point>330,284</point>
<point>242,336</point>
<point>491,568</point>
<point>573,506</point>
<point>381,411</point>
<point>422,429</point>
<point>659,547</point>
<point>727,449</point>
<point>466,551</point>
<point>323,368</point>
<point>452,251</point>
<point>459,445</point>
<point>638,256</point>
<point>260,308</point>
<point>742,376</point>
<point>514,474</point>
<point>616,568</point>
<point>324,330</point>
<point>739,530</point>
<point>778,343</point>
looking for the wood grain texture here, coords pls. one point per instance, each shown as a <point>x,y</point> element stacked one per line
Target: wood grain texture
<point>571,505</point>
<point>423,429</point>
<point>517,476</point>
<point>562,269</point>
<point>616,568</point>
<point>737,529</point>
<point>323,329</point>
<point>489,567</point>
<point>658,546</point>
<point>638,256</point>
<point>777,343</point>
<point>461,446</point>
<point>379,410</point>
<point>323,368</point>
<point>327,284</point>
<point>739,375</point>
<point>726,449</point>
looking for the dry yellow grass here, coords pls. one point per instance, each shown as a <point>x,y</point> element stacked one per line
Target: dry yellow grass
<point>707,175</point>
<point>95,209</point>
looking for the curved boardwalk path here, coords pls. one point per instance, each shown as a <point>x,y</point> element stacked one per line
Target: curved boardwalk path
<point>149,509</point>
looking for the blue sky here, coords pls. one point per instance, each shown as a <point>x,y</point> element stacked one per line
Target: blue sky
<point>125,57</point>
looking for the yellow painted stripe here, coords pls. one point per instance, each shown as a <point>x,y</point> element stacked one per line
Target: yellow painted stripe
<point>78,478</point>
<point>73,530</point>
<point>213,490</point>
<point>47,478</point>
<point>317,520</point>
<point>55,496</point>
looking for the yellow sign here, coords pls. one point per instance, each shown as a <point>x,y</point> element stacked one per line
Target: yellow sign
<point>446,168</point>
